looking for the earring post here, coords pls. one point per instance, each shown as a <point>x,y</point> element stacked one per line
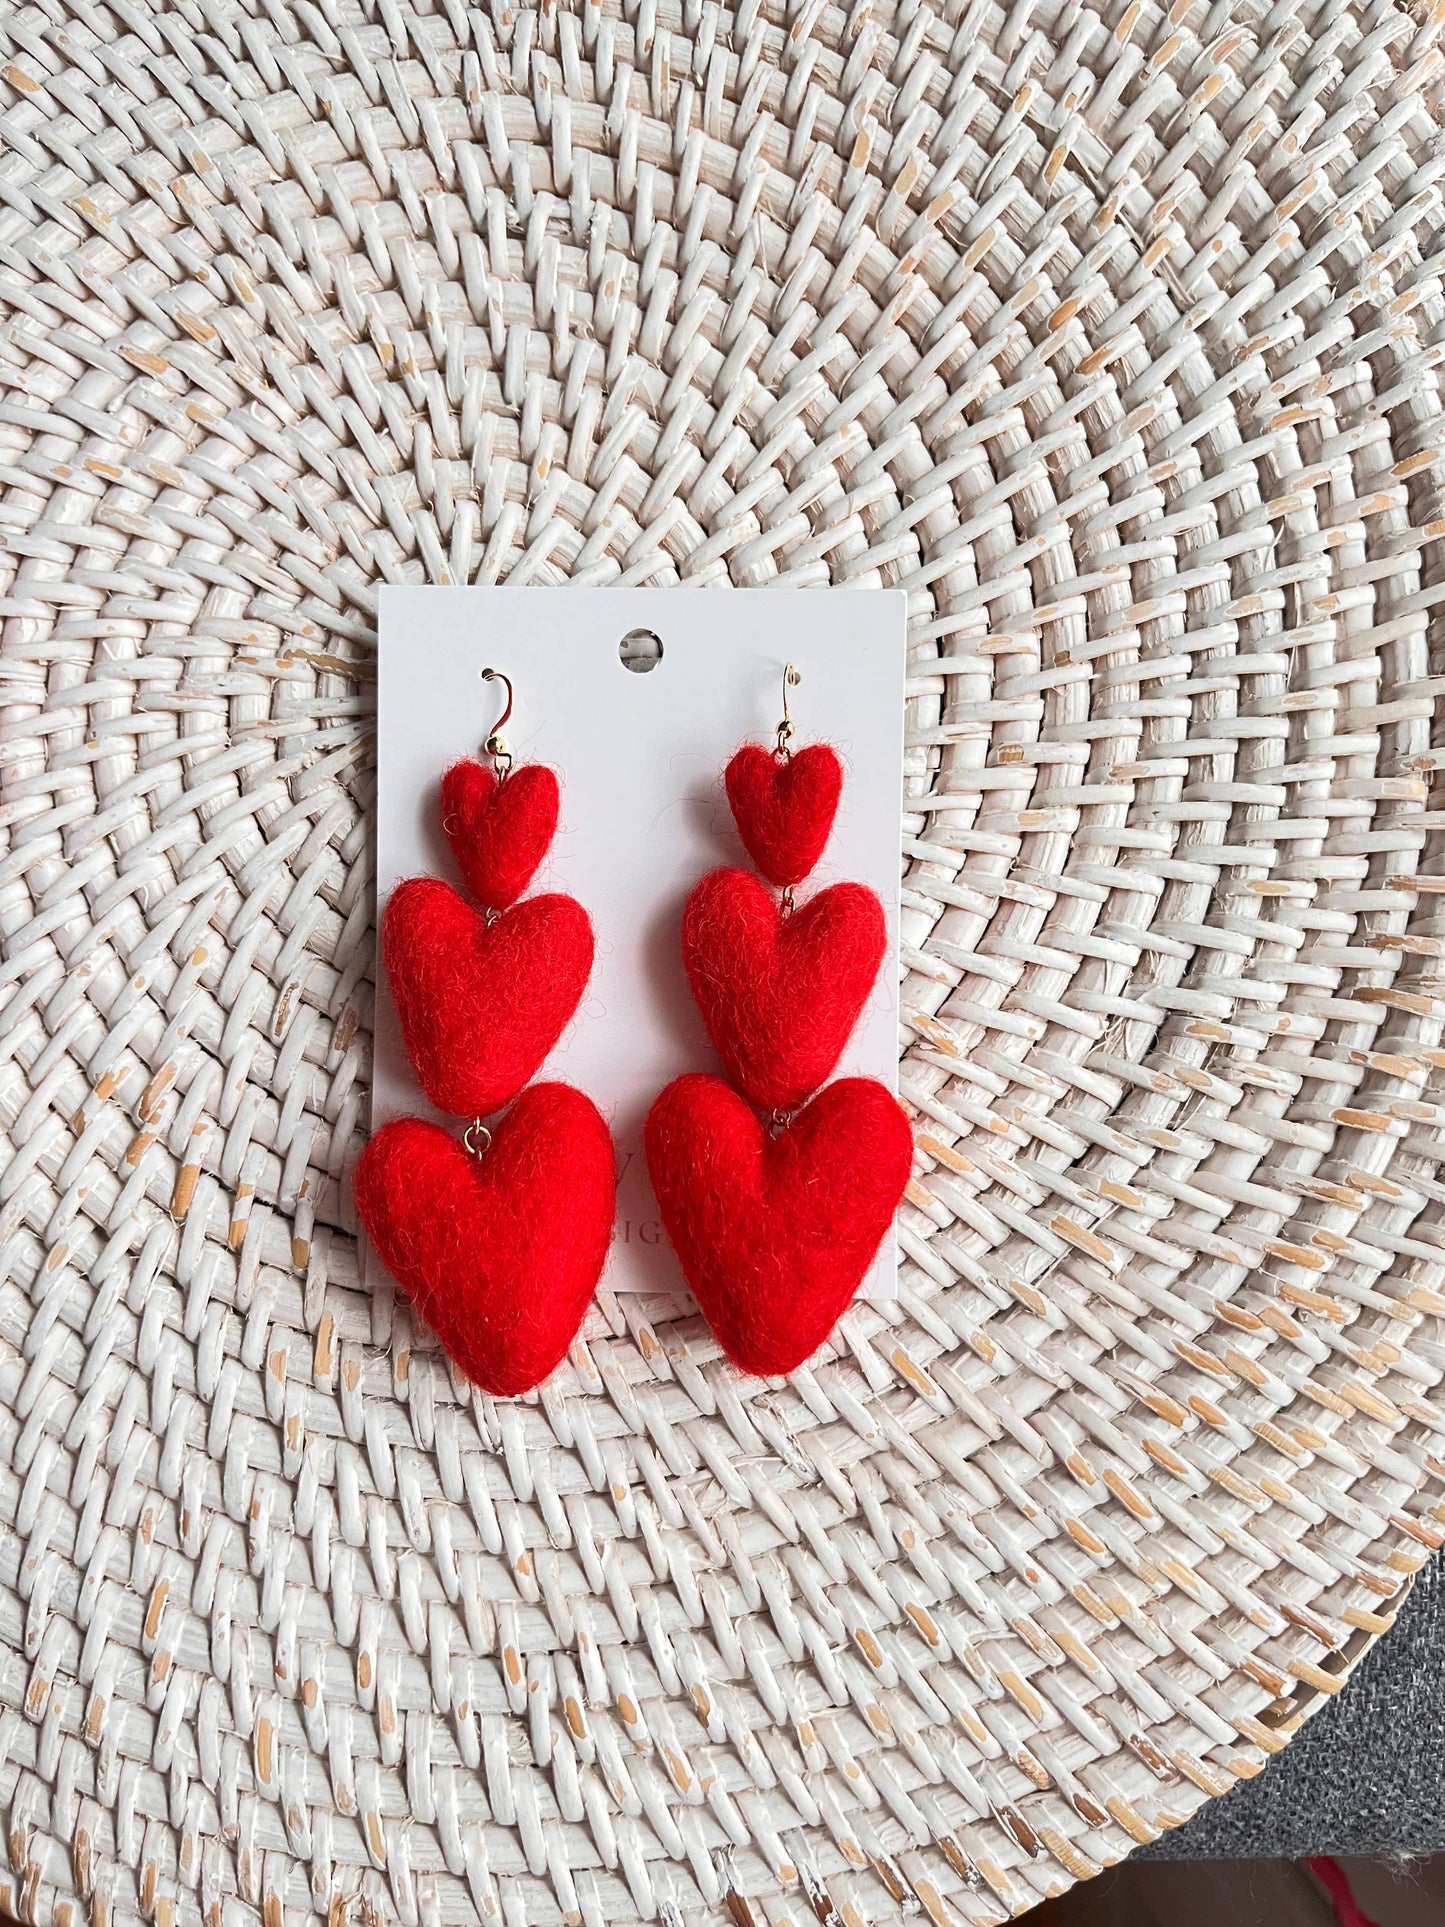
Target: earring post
<point>792,676</point>
<point>496,743</point>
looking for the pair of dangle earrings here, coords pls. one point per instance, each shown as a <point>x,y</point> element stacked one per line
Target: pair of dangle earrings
<point>775,1186</point>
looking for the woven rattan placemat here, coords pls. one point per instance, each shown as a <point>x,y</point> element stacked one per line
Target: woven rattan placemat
<point>1111,336</point>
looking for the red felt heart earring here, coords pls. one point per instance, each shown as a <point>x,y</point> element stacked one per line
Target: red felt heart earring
<point>776,1219</point>
<point>498,1239</point>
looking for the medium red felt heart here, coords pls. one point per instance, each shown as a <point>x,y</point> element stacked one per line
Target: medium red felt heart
<point>499,830</point>
<point>780,995</point>
<point>784,806</point>
<point>775,1234</point>
<point>500,1254</point>
<point>481,1003</point>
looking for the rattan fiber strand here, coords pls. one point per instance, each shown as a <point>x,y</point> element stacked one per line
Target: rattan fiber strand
<point>1112,337</point>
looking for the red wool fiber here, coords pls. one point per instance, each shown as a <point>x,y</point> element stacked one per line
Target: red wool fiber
<point>499,1254</point>
<point>780,995</point>
<point>480,1003</point>
<point>784,806</point>
<point>499,830</point>
<point>775,1234</point>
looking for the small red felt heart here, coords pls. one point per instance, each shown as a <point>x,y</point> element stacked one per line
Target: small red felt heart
<point>500,1254</point>
<point>784,806</point>
<point>499,830</point>
<point>780,995</point>
<point>775,1234</point>
<point>480,1003</point>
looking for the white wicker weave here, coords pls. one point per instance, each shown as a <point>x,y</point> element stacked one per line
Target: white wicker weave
<point>1112,337</point>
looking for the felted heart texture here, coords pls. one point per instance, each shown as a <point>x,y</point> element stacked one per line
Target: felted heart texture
<point>499,1254</point>
<point>775,1234</point>
<point>780,995</point>
<point>784,806</point>
<point>499,828</point>
<point>480,1003</point>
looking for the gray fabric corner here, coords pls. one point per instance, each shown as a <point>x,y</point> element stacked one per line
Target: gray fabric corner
<point>1366,1775</point>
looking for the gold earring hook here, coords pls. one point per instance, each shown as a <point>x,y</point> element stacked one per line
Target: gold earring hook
<point>792,676</point>
<point>496,743</point>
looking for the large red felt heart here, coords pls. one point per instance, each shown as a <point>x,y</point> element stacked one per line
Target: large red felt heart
<point>775,1234</point>
<point>500,1254</point>
<point>481,1003</point>
<point>784,806</point>
<point>499,829</point>
<point>780,994</point>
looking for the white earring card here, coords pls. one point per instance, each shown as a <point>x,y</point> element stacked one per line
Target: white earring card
<point>640,753</point>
